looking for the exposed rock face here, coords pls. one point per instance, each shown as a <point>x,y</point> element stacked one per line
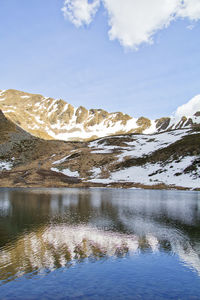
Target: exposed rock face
<point>10,131</point>
<point>162,124</point>
<point>2,118</point>
<point>197,114</point>
<point>12,139</point>
<point>143,124</point>
<point>51,119</point>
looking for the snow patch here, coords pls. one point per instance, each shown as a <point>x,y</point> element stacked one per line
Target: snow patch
<point>52,108</point>
<point>39,120</point>
<point>152,129</point>
<point>57,162</point>
<point>8,111</point>
<point>2,92</point>
<point>96,172</point>
<point>25,97</point>
<point>102,151</point>
<point>4,165</point>
<point>66,172</point>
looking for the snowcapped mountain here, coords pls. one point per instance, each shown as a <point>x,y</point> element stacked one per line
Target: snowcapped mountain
<point>49,118</point>
<point>163,160</point>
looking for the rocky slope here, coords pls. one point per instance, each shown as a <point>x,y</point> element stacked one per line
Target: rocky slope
<point>22,154</point>
<point>162,160</point>
<point>49,119</point>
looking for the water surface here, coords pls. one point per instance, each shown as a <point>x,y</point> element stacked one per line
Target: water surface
<point>99,244</point>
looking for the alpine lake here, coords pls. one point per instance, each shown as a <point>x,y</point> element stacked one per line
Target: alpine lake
<point>98,243</point>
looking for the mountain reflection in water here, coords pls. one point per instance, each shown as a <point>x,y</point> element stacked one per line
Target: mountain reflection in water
<point>44,230</point>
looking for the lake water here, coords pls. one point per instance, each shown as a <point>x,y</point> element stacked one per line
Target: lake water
<point>99,244</point>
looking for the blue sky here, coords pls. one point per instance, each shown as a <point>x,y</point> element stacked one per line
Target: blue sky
<point>43,52</point>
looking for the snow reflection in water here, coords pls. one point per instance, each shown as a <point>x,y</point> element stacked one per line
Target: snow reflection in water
<point>68,227</point>
<point>59,246</point>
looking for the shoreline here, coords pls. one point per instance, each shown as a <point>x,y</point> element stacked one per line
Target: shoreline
<point>115,185</point>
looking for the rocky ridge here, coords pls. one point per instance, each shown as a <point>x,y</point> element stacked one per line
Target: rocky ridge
<point>49,119</point>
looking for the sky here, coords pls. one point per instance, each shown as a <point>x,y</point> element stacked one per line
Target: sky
<point>141,57</point>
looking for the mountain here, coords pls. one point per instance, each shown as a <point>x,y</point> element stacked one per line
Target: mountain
<point>165,160</point>
<point>49,118</point>
<point>31,156</point>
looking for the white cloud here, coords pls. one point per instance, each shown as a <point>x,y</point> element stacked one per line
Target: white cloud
<point>133,22</point>
<point>80,12</point>
<point>190,108</point>
<point>190,9</point>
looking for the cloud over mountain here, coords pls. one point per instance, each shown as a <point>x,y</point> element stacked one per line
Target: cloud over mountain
<point>133,22</point>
